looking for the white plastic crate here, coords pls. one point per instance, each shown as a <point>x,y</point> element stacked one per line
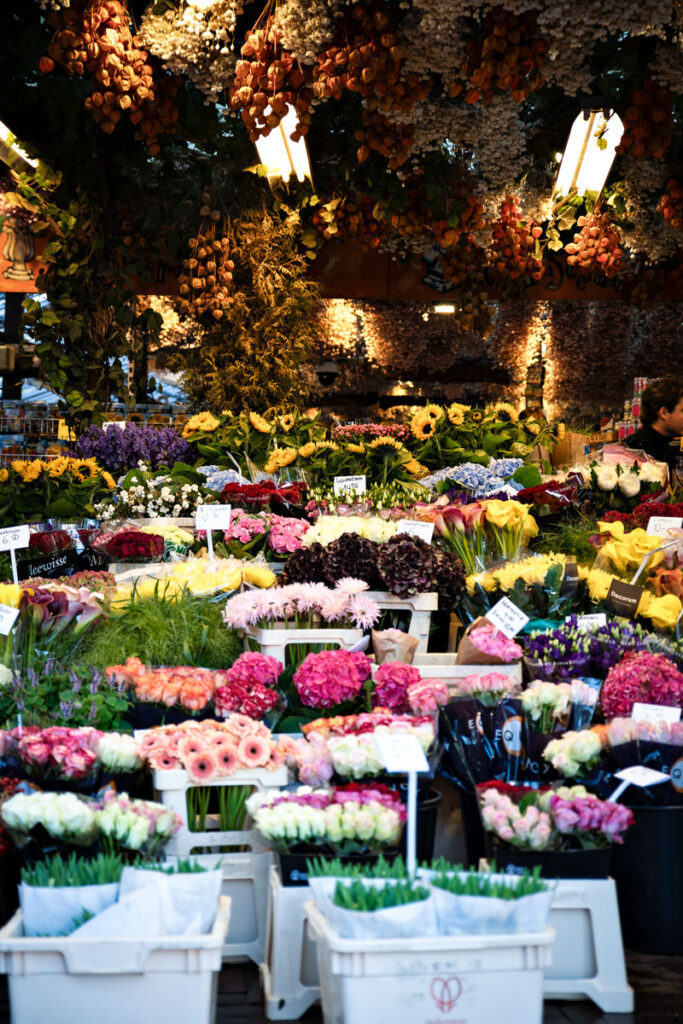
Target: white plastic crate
<point>171,789</point>
<point>480,979</point>
<point>275,641</point>
<point>289,971</point>
<point>420,607</point>
<point>245,883</point>
<point>68,980</point>
<point>589,953</point>
<point>442,666</point>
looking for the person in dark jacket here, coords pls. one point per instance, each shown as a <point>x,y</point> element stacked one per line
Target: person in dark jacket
<point>662,420</point>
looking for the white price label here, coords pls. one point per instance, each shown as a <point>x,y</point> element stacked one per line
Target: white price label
<point>595,621</point>
<point>507,617</point>
<point>659,526</point>
<point>343,484</point>
<point>401,752</point>
<point>14,537</point>
<point>425,531</point>
<point>121,424</point>
<point>8,616</point>
<point>639,775</point>
<point>654,713</point>
<point>213,517</point>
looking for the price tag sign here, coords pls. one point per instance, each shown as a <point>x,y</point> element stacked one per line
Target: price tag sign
<point>507,617</point>
<point>595,621</point>
<point>14,537</point>
<point>343,484</point>
<point>213,517</point>
<point>639,775</point>
<point>401,752</point>
<point>8,616</point>
<point>654,713</point>
<point>659,526</point>
<point>623,598</point>
<point>121,424</point>
<point>425,531</point>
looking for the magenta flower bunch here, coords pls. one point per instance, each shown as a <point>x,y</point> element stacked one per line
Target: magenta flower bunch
<point>641,676</point>
<point>595,822</point>
<point>331,677</point>
<point>286,534</point>
<point>491,641</point>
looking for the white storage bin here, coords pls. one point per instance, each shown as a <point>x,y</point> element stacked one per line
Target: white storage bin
<point>289,972</point>
<point>420,607</point>
<point>276,641</point>
<point>171,788</point>
<point>480,979</point>
<point>139,981</point>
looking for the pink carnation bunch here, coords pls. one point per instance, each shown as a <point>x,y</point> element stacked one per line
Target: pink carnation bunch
<point>641,676</point>
<point>392,680</point>
<point>211,749</point>
<point>331,677</point>
<point>243,527</point>
<point>491,641</point>
<point>286,534</point>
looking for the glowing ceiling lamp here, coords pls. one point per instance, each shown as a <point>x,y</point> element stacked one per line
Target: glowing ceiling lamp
<point>12,153</point>
<point>444,307</point>
<point>280,154</point>
<point>590,151</point>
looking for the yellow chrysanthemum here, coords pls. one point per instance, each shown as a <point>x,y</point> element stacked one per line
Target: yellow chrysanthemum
<point>307,450</point>
<point>109,480</point>
<point>259,423</point>
<point>456,413</point>
<point>505,407</point>
<point>386,445</point>
<point>4,476</point>
<point>287,422</point>
<point>357,449</point>
<point>58,466</point>
<point>435,412</point>
<point>422,426</point>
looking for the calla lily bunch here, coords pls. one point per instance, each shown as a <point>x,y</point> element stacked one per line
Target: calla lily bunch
<point>45,613</point>
<point>488,529</point>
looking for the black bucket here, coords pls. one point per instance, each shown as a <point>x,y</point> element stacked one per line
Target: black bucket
<point>647,870</point>
<point>293,869</point>
<point>428,803</point>
<point>473,830</point>
<point>553,863</point>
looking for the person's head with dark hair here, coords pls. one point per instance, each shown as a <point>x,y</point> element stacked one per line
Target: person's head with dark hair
<point>662,406</point>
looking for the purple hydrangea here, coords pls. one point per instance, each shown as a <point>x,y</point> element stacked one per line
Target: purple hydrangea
<point>120,450</point>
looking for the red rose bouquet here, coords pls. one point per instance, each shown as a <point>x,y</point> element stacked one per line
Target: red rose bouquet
<point>130,545</point>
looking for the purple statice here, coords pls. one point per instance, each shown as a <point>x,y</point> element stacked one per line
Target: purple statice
<point>120,450</point>
<point>569,651</point>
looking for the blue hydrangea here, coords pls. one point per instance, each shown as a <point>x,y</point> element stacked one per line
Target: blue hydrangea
<point>217,478</point>
<point>482,481</point>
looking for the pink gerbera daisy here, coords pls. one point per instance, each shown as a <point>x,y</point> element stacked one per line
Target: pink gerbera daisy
<point>227,758</point>
<point>163,761</point>
<point>240,724</point>
<point>275,760</point>
<point>214,739</point>
<point>254,751</point>
<point>190,745</point>
<point>201,767</point>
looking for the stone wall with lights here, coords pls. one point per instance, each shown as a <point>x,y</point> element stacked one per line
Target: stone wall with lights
<point>589,353</point>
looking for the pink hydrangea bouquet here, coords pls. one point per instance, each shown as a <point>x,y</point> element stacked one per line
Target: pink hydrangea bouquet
<point>209,750</point>
<point>641,676</point>
<point>330,678</point>
<point>249,686</point>
<point>491,641</point>
<point>401,688</point>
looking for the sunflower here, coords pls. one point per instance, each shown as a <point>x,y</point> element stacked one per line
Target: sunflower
<point>259,423</point>
<point>416,468</point>
<point>456,413</point>
<point>88,467</point>
<point>477,416</point>
<point>205,421</point>
<point>109,480</point>
<point>422,426</point>
<point>307,450</point>
<point>435,412</point>
<point>386,446</point>
<point>33,470</point>
<point>20,466</point>
<point>279,458</point>
<point>533,427</point>
<point>4,476</point>
<point>287,422</point>
<point>506,407</point>
<point>329,445</point>
<point>58,466</point>
<point>271,464</point>
<point>357,449</point>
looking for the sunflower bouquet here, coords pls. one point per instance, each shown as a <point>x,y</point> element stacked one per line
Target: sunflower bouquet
<point>457,433</point>
<point>63,488</point>
<point>251,439</point>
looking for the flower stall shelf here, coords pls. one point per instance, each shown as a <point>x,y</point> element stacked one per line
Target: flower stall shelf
<point>443,666</point>
<point>275,641</point>
<point>417,980</point>
<point>289,972</point>
<point>420,607</point>
<point>588,958</point>
<point>66,979</point>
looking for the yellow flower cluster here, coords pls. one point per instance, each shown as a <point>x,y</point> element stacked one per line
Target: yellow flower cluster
<point>512,515</point>
<point>456,413</point>
<point>416,468</point>
<point>259,423</point>
<point>287,422</point>
<point>626,551</point>
<point>531,570</point>
<point>279,458</point>
<point>205,421</point>
<point>82,470</point>
<point>386,445</point>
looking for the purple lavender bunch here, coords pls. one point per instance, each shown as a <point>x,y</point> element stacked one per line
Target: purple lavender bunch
<point>120,450</point>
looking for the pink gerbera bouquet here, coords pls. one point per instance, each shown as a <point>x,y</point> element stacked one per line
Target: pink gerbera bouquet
<point>209,750</point>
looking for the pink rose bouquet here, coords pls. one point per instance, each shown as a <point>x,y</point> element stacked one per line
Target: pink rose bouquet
<point>641,676</point>
<point>488,689</point>
<point>56,753</point>
<point>286,534</point>
<point>594,822</point>
<point>489,640</point>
